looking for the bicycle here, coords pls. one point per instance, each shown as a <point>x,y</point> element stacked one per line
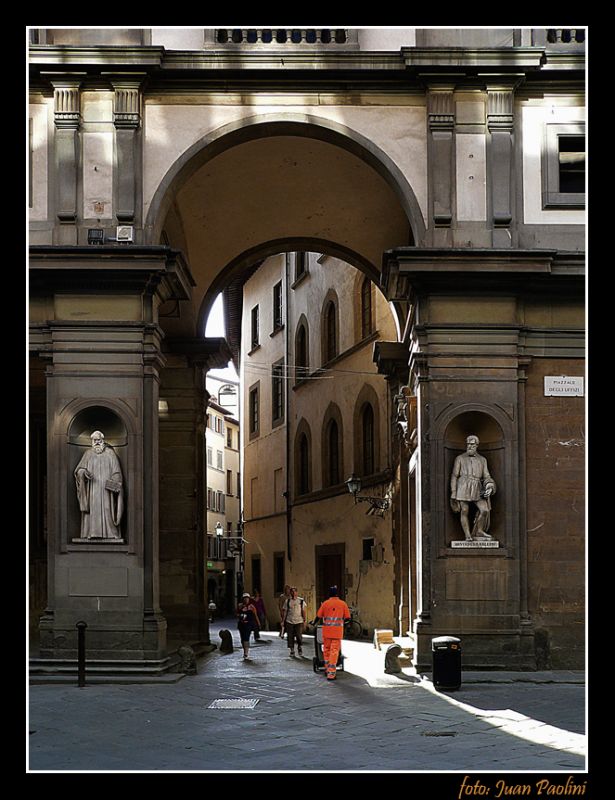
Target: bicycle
<point>353,629</point>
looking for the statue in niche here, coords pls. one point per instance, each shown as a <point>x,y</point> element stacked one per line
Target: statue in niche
<point>472,483</point>
<point>98,477</point>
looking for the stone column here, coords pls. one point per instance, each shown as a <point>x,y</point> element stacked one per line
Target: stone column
<point>183,523</point>
<point>500,160</point>
<point>441,124</point>
<point>67,118</point>
<point>127,121</point>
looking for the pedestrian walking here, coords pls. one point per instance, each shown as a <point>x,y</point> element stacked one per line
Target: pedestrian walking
<point>259,605</point>
<point>332,612</point>
<point>281,603</point>
<point>293,621</point>
<point>247,621</point>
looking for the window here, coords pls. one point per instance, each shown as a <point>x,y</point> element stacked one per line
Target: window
<point>303,484</point>
<point>277,393</point>
<point>229,481</point>
<point>209,499</point>
<point>366,308</point>
<point>300,265</point>
<point>254,411</point>
<point>210,457</point>
<point>254,333</point>
<point>367,549</point>
<point>219,459</point>
<point>333,465</point>
<point>330,332</point>
<point>229,528</point>
<point>571,164</point>
<point>563,166</point>
<point>229,437</point>
<point>301,353</point>
<point>239,484</point>
<point>367,432</point>
<point>277,307</point>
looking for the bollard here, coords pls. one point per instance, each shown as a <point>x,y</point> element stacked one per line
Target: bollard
<point>81,626</point>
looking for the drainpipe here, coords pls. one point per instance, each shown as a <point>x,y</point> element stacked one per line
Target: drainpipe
<point>287,493</point>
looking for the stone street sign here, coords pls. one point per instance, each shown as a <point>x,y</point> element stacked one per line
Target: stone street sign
<point>559,385</point>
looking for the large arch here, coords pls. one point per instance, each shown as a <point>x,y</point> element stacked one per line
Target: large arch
<point>280,182</point>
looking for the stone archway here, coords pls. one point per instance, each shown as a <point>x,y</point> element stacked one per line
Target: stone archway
<point>271,183</point>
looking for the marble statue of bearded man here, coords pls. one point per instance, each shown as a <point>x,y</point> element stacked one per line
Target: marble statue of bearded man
<point>100,491</point>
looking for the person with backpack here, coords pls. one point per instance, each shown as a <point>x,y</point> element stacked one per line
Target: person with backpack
<point>293,621</point>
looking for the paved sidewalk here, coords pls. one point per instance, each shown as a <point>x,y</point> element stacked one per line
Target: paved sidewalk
<point>504,722</point>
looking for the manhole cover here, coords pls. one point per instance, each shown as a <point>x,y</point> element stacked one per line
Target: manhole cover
<point>239,703</point>
<point>440,733</point>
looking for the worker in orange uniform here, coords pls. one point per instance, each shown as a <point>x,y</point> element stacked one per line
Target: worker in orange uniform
<point>333,612</point>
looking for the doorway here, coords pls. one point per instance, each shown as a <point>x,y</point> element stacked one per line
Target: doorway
<point>330,567</point>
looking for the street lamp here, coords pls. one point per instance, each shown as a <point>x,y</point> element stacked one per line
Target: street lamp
<point>219,530</point>
<point>377,505</point>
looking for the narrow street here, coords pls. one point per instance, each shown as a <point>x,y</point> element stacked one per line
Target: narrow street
<point>502,722</point>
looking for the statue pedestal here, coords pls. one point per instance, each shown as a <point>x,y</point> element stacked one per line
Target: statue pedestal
<point>478,543</point>
<point>99,540</point>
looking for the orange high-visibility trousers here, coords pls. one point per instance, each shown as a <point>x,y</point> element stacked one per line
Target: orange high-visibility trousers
<point>331,651</point>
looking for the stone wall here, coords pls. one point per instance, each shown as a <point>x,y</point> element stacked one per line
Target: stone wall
<point>556,517</point>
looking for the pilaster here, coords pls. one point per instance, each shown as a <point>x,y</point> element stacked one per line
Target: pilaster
<point>127,122</point>
<point>500,126</point>
<point>67,119</point>
<point>441,124</point>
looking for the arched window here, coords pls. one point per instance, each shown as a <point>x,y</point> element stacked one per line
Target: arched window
<point>303,464</point>
<point>333,454</point>
<point>367,435</point>
<point>366,308</point>
<point>301,353</point>
<point>330,332</point>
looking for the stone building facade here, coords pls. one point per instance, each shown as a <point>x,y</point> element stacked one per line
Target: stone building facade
<point>315,410</point>
<point>446,165</point>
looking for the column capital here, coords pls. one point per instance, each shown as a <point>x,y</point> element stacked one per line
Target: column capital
<point>126,99</point>
<point>441,106</point>
<point>66,101</point>
<point>500,101</point>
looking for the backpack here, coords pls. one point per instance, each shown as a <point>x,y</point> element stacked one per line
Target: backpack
<point>288,604</point>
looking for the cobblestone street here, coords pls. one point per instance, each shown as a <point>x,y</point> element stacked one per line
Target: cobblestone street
<point>496,721</point>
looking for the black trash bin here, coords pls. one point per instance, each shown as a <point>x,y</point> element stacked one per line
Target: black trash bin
<point>446,652</point>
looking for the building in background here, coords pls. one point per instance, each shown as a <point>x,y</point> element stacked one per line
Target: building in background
<point>315,411</point>
<point>224,525</point>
